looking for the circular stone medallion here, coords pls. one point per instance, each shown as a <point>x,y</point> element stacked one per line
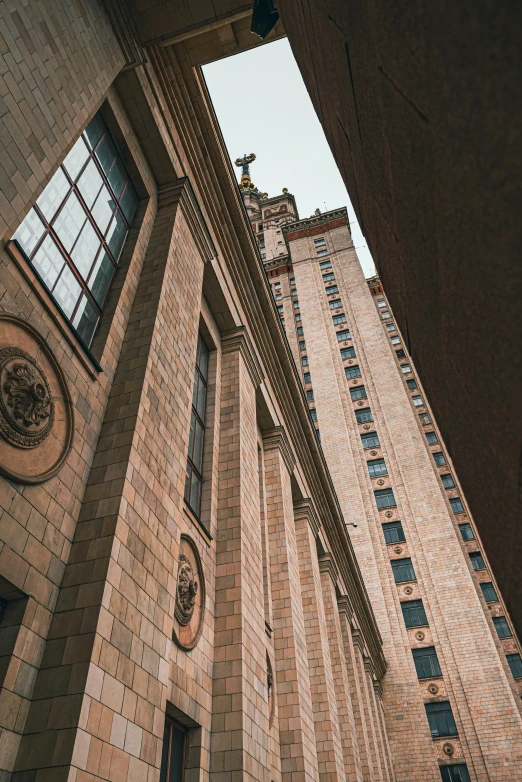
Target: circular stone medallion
<point>408,590</point>
<point>433,689</point>
<point>189,608</point>
<point>420,636</point>
<point>448,749</point>
<point>36,413</point>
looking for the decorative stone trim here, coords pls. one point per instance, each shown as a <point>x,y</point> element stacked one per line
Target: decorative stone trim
<point>239,340</point>
<point>276,438</point>
<point>358,640</point>
<point>377,686</point>
<point>369,667</point>
<point>345,607</point>
<point>126,34</point>
<point>316,221</point>
<point>181,193</point>
<point>327,565</point>
<point>305,509</point>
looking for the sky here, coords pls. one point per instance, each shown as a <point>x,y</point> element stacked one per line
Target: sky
<point>263,107</point>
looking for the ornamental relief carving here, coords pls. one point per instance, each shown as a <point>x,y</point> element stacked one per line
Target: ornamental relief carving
<point>189,608</point>
<point>36,413</point>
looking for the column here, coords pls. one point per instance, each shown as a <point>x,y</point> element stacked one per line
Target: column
<point>296,722</point>
<point>324,701</point>
<point>366,704</point>
<point>239,742</point>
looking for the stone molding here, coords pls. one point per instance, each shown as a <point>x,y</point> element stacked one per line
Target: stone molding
<point>126,34</point>
<point>180,193</point>
<point>276,439</point>
<point>369,667</point>
<point>316,221</point>
<point>327,565</point>
<point>358,640</point>
<point>239,340</point>
<point>377,686</point>
<point>305,509</point>
<point>344,606</point>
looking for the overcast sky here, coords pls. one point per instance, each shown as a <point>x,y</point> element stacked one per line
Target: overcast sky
<point>263,107</point>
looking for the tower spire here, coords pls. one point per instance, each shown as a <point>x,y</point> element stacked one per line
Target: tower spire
<point>246,181</point>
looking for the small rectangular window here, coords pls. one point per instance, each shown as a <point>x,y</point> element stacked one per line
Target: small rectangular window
<point>331,289</point>
<point>414,613</point>
<point>339,319</point>
<point>302,345</point>
<point>488,591</point>
<point>458,772</point>
<point>320,253</point>
<point>466,531</point>
<point>417,400</point>
<point>363,415</point>
<point>294,292</point>
<point>439,458</point>
<point>304,361</point>
<point>381,303</point>
<point>358,393</point>
<point>296,305</point>
<point>441,720</point>
<point>279,296</point>
<point>456,505</point>
<point>300,331</point>
<point>319,242</point>
<point>310,395</point>
<point>282,321</point>
<point>412,384</point>
<point>277,284</point>
<point>335,304</point>
<point>307,377</point>
<point>426,662</point>
<point>477,560</point>
<point>298,317</point>
<point>377,467</point>
<point>393,532</point>
<point>353,371</point>
<point>384,498</point>
<point>325,265</point>
<point>447,481</point>
<point>173,754</point>
<point>370,440</point>
<point>280,309</point>
<point>328,277</point>
<point>515,663</point>
<point>292,280</point>
<point>400,353</point>
<point>502,627</point>
<point>424,418</point>
<point>431,437</point>
<point>390,326</point>
<point>405,368</point>
<point>385,314</point>
<point>402,570</point>
<point>313,415</point>
<point>343,335</point>
<point>347,352</point>
<point>395,340</point>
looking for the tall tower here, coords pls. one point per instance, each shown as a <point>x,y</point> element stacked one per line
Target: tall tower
<point>452,693</point>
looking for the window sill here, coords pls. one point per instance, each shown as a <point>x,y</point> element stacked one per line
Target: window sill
<point>196,520</point>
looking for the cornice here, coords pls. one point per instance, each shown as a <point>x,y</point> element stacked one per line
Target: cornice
<point>316,220</point>
<point>276,439</point>
<point>126,34</point>
<point>369,667</point>
<point>275,263</point>
<point>327,565</point>
<point>304,509</point>
<point>239,340</point>
<point>345,607</point>
<point>377,686</point>
<point>181,193</point>
<point>358,640</point>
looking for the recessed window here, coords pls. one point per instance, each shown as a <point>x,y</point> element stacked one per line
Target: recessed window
<point>395,340</point>
<point>384,498</point>
<point>331,289</point>
<point>477,560</point>
<point>431,437</point>
<point>310,395</point>
<point>277,284</point>
<point>381,303</point>
<point>296,305</point>
<point>304,361</point>
<point>456,505</point>
<point>298,317</point>
<point>307,377</point>
<point>282,321</point>
<point>502,627</point>
<point>402,570</point>
<point>385,314</point>
<point>302,345</point>
<point>347,353</point>
<point>466,531</point>
<point>328,277</point>
<point>279,296</point>
<point>412,384</point>
<point>393,532</point>
<point>280,309</point>
<point>294,292</point>
<point>488,591</point>
<point>354,371</point>
<point>424,418</point>
<point>194,475</point>
<point>426,662</point>
<point>300,331</point>
<point>441,720</point>
<point>370,440</point>
<point>515,663</point>
<point>414,613</point>
<point>358,393</point>
<point>335,304</point>
<point>74,235</point>
<point>400,353</point>
<point>377,467</point>
<point>342,335</point>
<point>313,415</point>
<point>439,458</point>
<point>292,280</point>
<point>447,481</point>
<point>405,368</point>
<point>417,400</point>
<point>457,772</point>
<point>339,319</point>
<point>173,754</point>
<point>325,265</point>
<point>390,326</point>
<point>322,252</point>
<point>363,415</point>
<point>319,242</point>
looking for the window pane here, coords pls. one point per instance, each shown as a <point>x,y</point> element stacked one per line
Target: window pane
<point>477,561</point>
<point>403,570</point>
<point>455,773</point>
<point>195,493</point>
<point>106,153</point>
<point>30,232</point>
<point>202,398</point>
<point>515,663</point>
<point>342,335</point>
<point>358,393</point>
<point>94,130</point>
<point>128,202</point>
<point>370,440</point>
<point>488,590</point>
<point>466,532</point>
<point>347,352</point>
<point>502,627</point>
<point>53,195</point>
<point>76,158</point>
<point>67,291</point>
<point>456,505</point>
<point>117,178</point>
<point>414,613</point>
<point>49,262</point>
<point>335,304</point>
<point>354,371</point>
<point>439,458</point>
<point>411,384</point>
<point>69,222</point>
<point>417,401</point>
<point>85,320</point>
<point>405,368</point>
<point>116,235</point>
<point>384,498</point>
<point>103,209</point>
<point>393,532</point>
<point>440,718</point>
<point>377,467</point>
<point>363,415</point>
<point>431,437</point>
<point>90,184</point>
<point>426,662</point>
<point>447,481</point>
<point>101,277</point>
<point>197,457</point>
<point>85,249</point>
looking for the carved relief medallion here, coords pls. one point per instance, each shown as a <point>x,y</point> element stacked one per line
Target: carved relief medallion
<point>433,689</point>
<point>36,414</point>
<point>271,692</point>
<point>448,749</point>
<point>189,607</point>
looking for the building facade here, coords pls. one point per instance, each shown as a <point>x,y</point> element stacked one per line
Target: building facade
<point>454,664</point>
